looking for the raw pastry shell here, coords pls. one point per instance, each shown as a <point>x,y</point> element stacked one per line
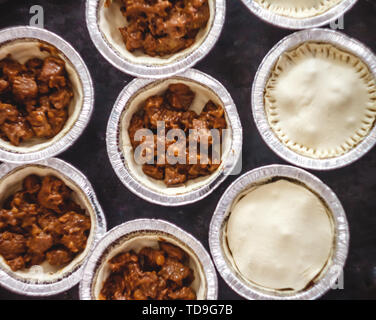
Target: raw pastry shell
<point>22,50</point>
<point>330,53</point>
<point>298,9</point>
<point>203,95</point>
<point>45,273</point>
<point>111,19</point>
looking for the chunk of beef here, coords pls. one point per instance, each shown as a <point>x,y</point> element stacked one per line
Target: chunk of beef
<point>12,245</point>
<point>39,244</point>
<point>31,184</point>
<point>121,260</point>
<point>153,171</point>
<point>185,293</point>
<point>11,68</point>
<point>39,123</point>
<point>8,112</point>
<point>174,176</point>
<point>24,88</point>
<point>173,251</point>
<point>16,263</point>
<point>61,99</point>
<point>58,257</point>
<point>175,271</point>
<point>17,131</point>
<point>136,124</point>
<point>52,67</point>
<point>74,228</point>
<point>152,257</point>
<point>179,96</point>
<point>4,86</point>
<point>53,193</point>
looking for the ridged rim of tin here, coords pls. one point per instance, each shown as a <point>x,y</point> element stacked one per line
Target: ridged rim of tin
<point>26,32</point>
<point>262,76</point>
<point>47,289</point>
<point>147,71</point>
<point>139,225</point>
<point>300,23</point>
<point>117,160</point>
<point>219,220</point>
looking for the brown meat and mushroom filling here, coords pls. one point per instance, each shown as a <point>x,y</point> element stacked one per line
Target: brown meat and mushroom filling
<point>172,108</point>
<point>40,223</point>
<point>34,98</point>
<point>152,274</point>
<point>163,27</point>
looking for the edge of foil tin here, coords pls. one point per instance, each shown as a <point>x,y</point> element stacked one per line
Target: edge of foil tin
<point>221,213</point>
<point>258,109</point>
<point>80,124</point>
<point>116,158</point>
<point>149,71</point>
<point>85,289</point>
<point>302,23</point>
<point>47,289</point>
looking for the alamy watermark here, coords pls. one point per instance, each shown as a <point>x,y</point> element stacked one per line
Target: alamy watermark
<point>200,146</point>
<point>37,20</point>
<point>338,24</point>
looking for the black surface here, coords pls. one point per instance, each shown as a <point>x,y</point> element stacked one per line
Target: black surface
<point>234,60</point>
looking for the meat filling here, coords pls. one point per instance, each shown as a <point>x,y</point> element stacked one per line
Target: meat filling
<point>34,98</point>
<point>40,223</point>
<point>162,27</point>
<point>172,108</point>
<point>152,274</point>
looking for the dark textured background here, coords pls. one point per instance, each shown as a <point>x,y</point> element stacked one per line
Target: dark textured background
<point>244,42</point>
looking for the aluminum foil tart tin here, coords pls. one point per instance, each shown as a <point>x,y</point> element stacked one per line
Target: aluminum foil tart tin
<point>299,23</point>
<point>43,280</point>
<point>218,242</point>
<point>259,114</point>
<point>135,234</point>
<point>24,43</point>
<point>120,151</point>
<point>103,28</point>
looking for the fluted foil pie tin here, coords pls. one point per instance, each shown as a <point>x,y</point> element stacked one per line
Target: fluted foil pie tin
<point>30,36</point>
<point>258,89</point>
<point>299,23</point>
<point>31,284</point>
<point>151,69</point>
<point>138,230</point>
<point>218,225</point>
<point>144,189</point>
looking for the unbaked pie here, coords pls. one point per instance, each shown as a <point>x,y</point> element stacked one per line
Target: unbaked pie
<point>320,100</point>
<point>298,9</point>
<point>280,236</point>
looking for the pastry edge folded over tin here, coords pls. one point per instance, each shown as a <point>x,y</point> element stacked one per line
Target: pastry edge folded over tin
<point>123,238</point>
<point>184,60</point>
<point>221,254</point>
<point>290,42</point>
<point>28,281</point>
<point>199,187</point>
<point>79,75</point>
<point>299,23</point>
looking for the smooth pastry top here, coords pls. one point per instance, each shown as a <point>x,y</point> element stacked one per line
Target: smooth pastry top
<point>320,100</point>
<point>280,235</point>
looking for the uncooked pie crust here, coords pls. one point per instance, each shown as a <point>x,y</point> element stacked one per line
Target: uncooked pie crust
<point>280,235</point>
<point>320,101</point>
<point>22,50</point>
<point>298,9</point>
<point>138,241</point>
<point>110,19</point>
<point>203,95</point>
<point>46,273</point>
